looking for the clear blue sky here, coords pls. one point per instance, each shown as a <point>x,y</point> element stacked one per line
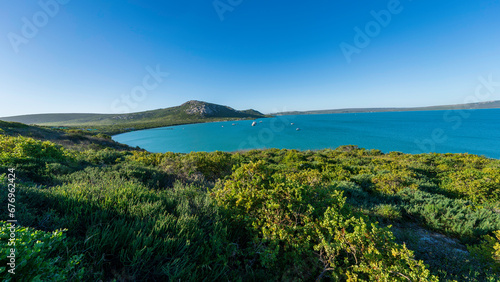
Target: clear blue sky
<point>84,56</point>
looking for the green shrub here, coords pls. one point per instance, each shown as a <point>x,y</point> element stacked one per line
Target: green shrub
<point>388,212</point>
<point>20,150</point>
<point>57,169</point>
<point>488,251</point>
<point>303,229</point>
<point>129,232</point>
<point>40,256</point>
<point>477,185</point>
<point>150,159</point>
<point>106,156</point>
<point>455,217</point>
<point>394,181</point>
<point>150,177</point>
<point>103,136</point>
<point>30,157</point>
<point>212,165</point>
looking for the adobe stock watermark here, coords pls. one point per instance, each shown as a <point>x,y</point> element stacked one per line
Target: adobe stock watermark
<point>139,93</point>
<point>265,135</point>
<point>363,37</point>
<point>484,91</point>
<point>223,6</point>
<point>31,26</point>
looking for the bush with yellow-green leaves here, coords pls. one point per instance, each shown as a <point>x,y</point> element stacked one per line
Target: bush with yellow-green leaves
<point>304,229</point>
<point>488,251</point>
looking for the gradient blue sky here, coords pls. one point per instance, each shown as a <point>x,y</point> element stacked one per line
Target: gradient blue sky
<point>266,55</point>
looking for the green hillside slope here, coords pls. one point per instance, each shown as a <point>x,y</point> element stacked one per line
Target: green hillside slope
<point>189,112</point>
<point>68,138</point>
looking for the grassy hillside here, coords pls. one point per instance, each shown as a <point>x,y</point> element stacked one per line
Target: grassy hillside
<point>471,106</point>
<point>189,112</point>
<point>53,118</point>
<point>271,215</point>
<point>68,138</point>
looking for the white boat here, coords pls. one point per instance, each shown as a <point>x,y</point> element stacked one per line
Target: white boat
<point>254,123</point>
<point>297,129</point>
<point>292,123</point>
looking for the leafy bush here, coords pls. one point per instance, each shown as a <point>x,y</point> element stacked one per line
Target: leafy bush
<point>392,182</point>
<point>478,185</point>
<point>388,212</point>
<point>212,165</point>
<point>103,157</point>
<point>39,256</point>
<point>103,136</point>
<point>302,223</point>
<point>150,159</point>
<point>20,150</point>
<point>488,251</point>
<point>30,157</point>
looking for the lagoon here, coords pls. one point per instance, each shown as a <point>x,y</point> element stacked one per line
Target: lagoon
<point>452,131</point>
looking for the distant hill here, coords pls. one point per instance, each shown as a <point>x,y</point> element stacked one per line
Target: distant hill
<point>189,112</point>
<point>482,105</point>
<point>52,118</point>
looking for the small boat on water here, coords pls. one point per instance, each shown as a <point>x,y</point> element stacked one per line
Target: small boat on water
<point>233,124</point>
<point>292,123</point>
<point>260,121</point>
<point>254,123</point>
<point>298,129</point>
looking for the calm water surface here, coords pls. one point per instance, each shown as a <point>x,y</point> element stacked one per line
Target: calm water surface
<point>472,131</point>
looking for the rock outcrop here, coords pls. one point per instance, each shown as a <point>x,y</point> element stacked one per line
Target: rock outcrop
<point>199,108</point>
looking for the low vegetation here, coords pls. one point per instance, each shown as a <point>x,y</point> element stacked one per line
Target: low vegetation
<point>347,214</point>
<point>75,139</point>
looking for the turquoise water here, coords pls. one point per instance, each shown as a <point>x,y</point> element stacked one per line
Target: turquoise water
<point>471,131</point>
